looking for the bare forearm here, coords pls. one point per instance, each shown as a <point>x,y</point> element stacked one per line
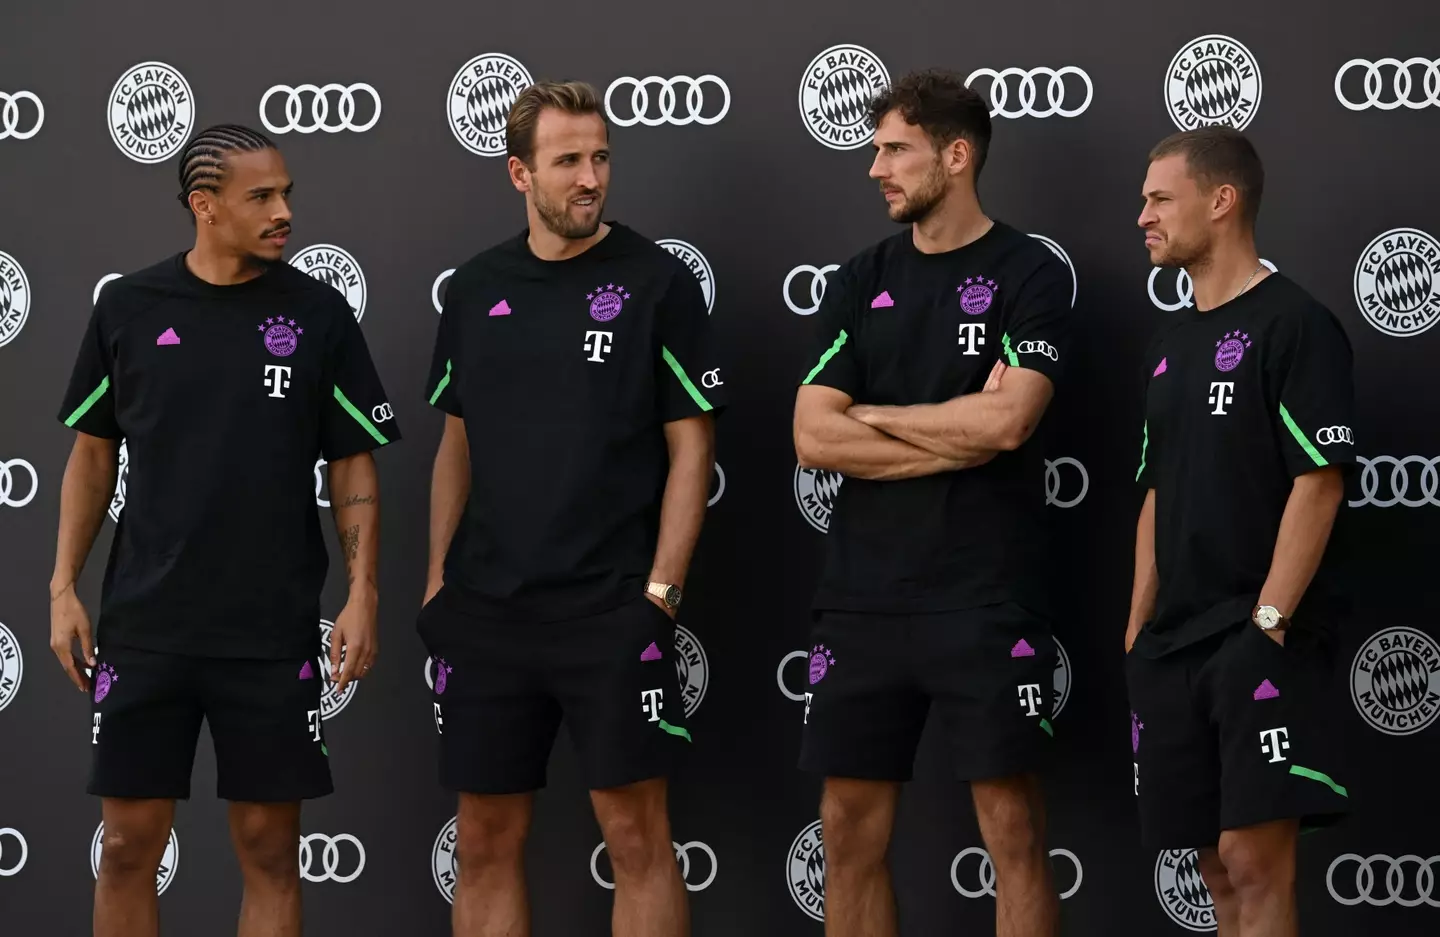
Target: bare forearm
<point>841,444</point>
<point>85,492</point>
<point>1147,579</point>
<point>449,490</point>
<point>355,503</point>
<point>1300,545</point>
<point>967,429</point>
<point>682,512</point>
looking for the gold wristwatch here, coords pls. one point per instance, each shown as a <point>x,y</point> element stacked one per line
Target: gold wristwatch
<point>666,593</point>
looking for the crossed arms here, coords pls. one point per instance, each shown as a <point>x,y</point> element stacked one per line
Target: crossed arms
<point>887,443</point>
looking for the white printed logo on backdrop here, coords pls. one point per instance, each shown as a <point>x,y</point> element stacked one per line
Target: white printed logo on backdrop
<point>18,483</point>
<point>718,487</point>
<point>680,100</point>
<point>331,862</point>
<point>1058,99</point>
<point>151,112</point>
<point>1388,83</point>
<point>693,667</point>
<point>14,298</point>
<point>1212,80</point>
<point>479,101</point>
<point>1395,481</point>
<point>100,284</point>
<point>690,255</point>
<point>1397,282</point>
<point>436,299</point>
<point>1182,892</point>
<point>805,871</point>
<point>442,860</point>
<point>809,283</point>
<point>985,872</point>
<point>308,108</point>
<point>835,95</point>
<point>12,859</point>
<point>122,475</point>
<point>1395,885</point>
<point>815,493</point>
<point>331,702</point>
<point>1057,492</point>
<point>335,267</point>
<point>1059,251</point>
<point>1395,680</point>
<point>12,666</point>
<point>1184,287</point>
<point>17,123</point>
<point>169,860</point>
<point>684,855</point>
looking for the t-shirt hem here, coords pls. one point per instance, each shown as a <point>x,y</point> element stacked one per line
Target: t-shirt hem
<point>299,650</point>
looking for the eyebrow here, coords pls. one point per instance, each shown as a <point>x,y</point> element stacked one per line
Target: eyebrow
<point>1154,192</point>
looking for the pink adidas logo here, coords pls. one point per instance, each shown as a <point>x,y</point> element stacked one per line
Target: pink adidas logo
<point>1160,368</point>
<point>1022,648</point>
<point>168,337</point>
<point>307,672</point>
<point>502,308</point>
<point>883,301</point>
<point>651,653</point>
<point>1266,690</point>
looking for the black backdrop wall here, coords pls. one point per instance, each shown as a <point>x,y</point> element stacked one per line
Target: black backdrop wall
<point>755,173</point>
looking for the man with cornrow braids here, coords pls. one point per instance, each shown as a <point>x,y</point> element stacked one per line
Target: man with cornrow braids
<point>227,373</point>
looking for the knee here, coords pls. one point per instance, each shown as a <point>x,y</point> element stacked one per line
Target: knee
<point>1216,877</point>
<point>270,851</point>
<point>1014,831</point>
<point>1254,871</point>
<point>131,852</point>
<point>856,828</point>
<point>489,838</point>
<point>636,843</point>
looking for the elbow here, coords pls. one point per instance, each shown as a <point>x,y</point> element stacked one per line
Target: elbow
<point>1013,434</point>
<point>806,449</point>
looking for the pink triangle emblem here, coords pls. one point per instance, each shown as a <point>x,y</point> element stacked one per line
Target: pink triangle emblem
<point>883,301</point>
<point>1160,369</point>
<point>1266,690</point>
<point>168,337</point>
<point>502,308</point>
<point>651,653</point>
<point>1022,648</point>
<point>307,672</point>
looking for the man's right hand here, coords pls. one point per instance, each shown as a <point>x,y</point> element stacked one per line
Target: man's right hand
<point>69,623</point>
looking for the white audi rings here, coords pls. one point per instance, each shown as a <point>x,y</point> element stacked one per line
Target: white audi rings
<point>1052,482</point>
<point>1401,84</point>
<point>1366,878</point>
<point>1184,287</point>
<point>1399,481</point>
<point>986,872</point>
<point>1330,435</point>
<point>682,855</point>
<point>329,858</point>
<point>1054,91</point>
<point>668,99</point>
<point>9,866</point>
<point>10,115</point>
<point>9,472</point>
<point>1038,348</point>
<point>817,287</point>
<point>319,108</point>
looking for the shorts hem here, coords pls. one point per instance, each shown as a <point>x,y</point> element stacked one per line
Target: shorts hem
<point>857,772</point>
<point>135,792</point>
<point>495,788</point>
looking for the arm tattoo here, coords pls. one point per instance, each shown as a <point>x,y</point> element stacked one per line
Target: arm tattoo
<point>354,500</point>
<point>350,541</point>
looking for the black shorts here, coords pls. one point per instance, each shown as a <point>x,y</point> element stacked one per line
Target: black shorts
<point>264,718</point>
<point>1233,731</point>
<point>989,671</point>
<point>502,687</point>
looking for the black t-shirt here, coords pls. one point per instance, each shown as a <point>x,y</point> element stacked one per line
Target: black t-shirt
<point>901,327</point>
<point>565,373</point>
<point>225,397</point>
<point>1239,401</point>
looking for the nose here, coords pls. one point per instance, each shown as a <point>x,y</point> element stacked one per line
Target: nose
<point>1147,217</point>
<point>877,171</point>
<point>586,178</point>
<point>282,213</point>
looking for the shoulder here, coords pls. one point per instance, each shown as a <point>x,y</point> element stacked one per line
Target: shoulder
<point>487,266</point>
<point>867,266</point>
<point>126,296</point>
<point>1292,310</point>
<point>1026,256</point>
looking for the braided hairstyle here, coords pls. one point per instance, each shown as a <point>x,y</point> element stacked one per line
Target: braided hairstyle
<point>202,164</point>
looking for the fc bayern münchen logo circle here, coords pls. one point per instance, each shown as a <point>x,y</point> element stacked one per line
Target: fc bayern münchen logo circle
<point>479,100</point>
<point>1396,282</point>
<point>1212,80</point>
<point>815,493</point>
<point>169,860</point>
<point>690,255</point>
<point>1395,680</point>
<point>151,112</point>
<point>1062,679</point>
<point>805,871</point>
<point>14,298</point>
<point>835,95</point>
<point>122,475</point>
<point>442,860</point>
<point>1182,891</point>
<point>338,268</point>
<point>12,666</point>
<point>331,702</point>
<point>693,667</point>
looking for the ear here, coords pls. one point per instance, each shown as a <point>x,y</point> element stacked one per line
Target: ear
<point>1225,200</point>
<point>957,156</point>
<point>202,203</point>
<point>519,174</point>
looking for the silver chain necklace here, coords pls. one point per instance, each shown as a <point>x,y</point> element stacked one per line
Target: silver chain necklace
<point>1247,282</point>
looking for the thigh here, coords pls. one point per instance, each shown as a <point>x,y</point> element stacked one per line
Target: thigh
<point>1273,708</point>
<point>144,721</point>
<point>1175,749</point>
<point>991,673</point>
<point>617,680</point>
<point>863,710</point>
<point>265,719</point>
<point>496,722</point>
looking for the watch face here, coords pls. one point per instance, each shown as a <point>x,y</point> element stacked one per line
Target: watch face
<point>1267,617</point>
<point>672,596</point>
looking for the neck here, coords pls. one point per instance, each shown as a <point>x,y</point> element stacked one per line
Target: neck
<point>1220,277</point>
<point>547,245</point>
<point>219,267</point>
<point>955,222</point>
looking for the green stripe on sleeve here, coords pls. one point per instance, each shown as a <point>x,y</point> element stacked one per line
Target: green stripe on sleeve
<point>825,358</point>
<point>1321,777</point>
<point>1144,448</point>
<point>1310,450</point>
<point>1010,355</point>
<point>89,402</point>
<point>690,388</point>
<point>677,730</point>
<point>360,417</point>
<point>444,383</point>
<point>1049,730</point>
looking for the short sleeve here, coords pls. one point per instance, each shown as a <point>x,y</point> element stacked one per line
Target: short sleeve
<point>440,387</point>
<point>690,378</point>
<point>1036,335</point>
<point>89,404</point>
<point>830,358</point>
<point>1152,366</point>
<point>1312,364</point>
<point>357,416</point>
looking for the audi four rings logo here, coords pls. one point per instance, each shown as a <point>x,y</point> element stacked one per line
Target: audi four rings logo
<point>682,855</point>
<point>1184,288</point>
<point>14,298</point>
<point>835,95</point>
<point>151,112</point>
<point>814,294</point>
<point>711,379</point>
<point>1404,87</point>
<point>1028,92</point>
<point>1038,348</point>
<point>1397,282</point>
<point>331,702</point>
<point>381,412</point>
<point>479,99</point>
<point>436,299</point>
<point>169,860</point>
<point>1398,887</point>
<point>337,267</point>
<point>1212,80</point>
<point>331,861</point>
<point>320,502</point>
<point>1395,680</point>
<point>307,108</point>
<point>1397,482</point>
<point>1053,485</point>
<point>1182,891</point>
<point>12,666</point>
<point>17,476</point>
<point>12,860</point>
<point>1330,435</point>
<point>100,285</point>
<point>985,873</point>
<point>667,100</point>
<point>691,257</point>
<point>14,125</point>
<point>718,487</point>
<point>1059,251</point>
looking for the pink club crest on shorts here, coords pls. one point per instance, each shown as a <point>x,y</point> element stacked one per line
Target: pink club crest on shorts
<point>281,336</point>
<point>104,679</point>
<point>1135,726</point>
<point>1230,349</point>
<point>606,302</point>
<point>821,660</point>
<point>442,671</point>
<point>976,295</point>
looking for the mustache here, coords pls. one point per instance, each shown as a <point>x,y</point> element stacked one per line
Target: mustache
<point>282,229</point>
